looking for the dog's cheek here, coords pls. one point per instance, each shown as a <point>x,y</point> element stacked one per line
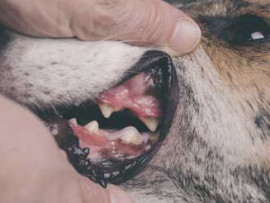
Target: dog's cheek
<point>45,72</point>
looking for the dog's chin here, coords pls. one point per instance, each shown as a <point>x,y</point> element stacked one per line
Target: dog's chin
<point>111,138</point>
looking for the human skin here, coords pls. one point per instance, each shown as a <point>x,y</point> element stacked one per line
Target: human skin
<point>139,22</point>
<point>33,169</point>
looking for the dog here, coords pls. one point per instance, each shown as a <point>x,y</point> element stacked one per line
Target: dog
<point>217,147</point>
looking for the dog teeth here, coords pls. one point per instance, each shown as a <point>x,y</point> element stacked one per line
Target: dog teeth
<point>154,138</point>
<point>93,127</point>
<point>131,136</point>
<point>106,110</point>
<point>151,123</point>
<point>73,121</point>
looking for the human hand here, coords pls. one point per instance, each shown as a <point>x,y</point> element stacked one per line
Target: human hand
<point>46,175</point>
<point>33,169</point>
<point>140,22</point>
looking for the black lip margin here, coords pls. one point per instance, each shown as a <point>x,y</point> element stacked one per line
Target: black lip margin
<point>150,60</point>
<point>129,168</point>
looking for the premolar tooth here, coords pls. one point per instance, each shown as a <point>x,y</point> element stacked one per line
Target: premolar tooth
<point>151,123</point>
<point>106,110</point>
<point>132,136</point>
<point>154,138</point>
<point>73,121</point>
<point>93,127</point>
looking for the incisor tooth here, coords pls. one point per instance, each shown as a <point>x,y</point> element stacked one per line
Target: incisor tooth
<point>92,127</point>
<point>106,110</point>
<point>151,123</point>
<point>131,136</point>
<point>73,121</point>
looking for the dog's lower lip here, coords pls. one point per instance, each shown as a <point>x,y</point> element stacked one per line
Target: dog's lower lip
<point>125,169</point>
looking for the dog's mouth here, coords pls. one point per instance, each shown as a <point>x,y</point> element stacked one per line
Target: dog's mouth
<point>111,138</point>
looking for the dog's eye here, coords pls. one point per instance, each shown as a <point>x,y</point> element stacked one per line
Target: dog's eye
<point>247,29</point>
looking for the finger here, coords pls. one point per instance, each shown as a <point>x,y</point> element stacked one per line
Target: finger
<point>92,192</point>
<point>138,22</point>
<point>27,148</point>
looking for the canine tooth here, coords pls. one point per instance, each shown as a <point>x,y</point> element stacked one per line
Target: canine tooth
<point>106,110</point>
<point>131,136</point>
<point>155,138</point>
<point>151,123</point>
<point>92,127</point>
<point>73,121</point>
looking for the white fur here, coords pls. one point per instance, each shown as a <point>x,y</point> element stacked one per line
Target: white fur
<point>64,71</point>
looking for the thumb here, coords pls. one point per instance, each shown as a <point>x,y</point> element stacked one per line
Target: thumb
<point>91,192</point>
<point>140,22</point>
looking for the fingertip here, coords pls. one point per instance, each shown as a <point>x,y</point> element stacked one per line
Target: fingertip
<point>177,33</point>
<point>185,38</point>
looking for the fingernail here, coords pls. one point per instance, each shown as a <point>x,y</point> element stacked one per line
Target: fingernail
<point>185,38</point>
<point>119,196</point>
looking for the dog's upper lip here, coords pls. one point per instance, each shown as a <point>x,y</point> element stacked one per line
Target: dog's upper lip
<point>170,96</point>
<point>170,91</point>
